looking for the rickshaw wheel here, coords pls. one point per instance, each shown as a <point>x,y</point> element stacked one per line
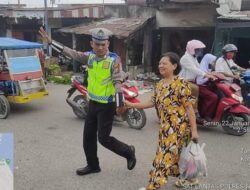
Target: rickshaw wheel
<point>4,107</point>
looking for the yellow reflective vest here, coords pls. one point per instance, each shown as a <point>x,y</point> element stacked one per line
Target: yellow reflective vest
<point>100,84</point>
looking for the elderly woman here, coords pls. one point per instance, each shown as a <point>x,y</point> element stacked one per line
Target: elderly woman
<point>174,101</point>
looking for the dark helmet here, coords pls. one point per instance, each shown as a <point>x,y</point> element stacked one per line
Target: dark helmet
<point>229,48</point>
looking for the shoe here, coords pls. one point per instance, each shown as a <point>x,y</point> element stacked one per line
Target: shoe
<point>87,170</point>
<point>131,162</point>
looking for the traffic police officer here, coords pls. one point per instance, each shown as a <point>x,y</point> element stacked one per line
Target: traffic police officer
<point>106,97</point>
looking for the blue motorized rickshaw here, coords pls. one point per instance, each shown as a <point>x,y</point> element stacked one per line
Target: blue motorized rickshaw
<point>21,76</point>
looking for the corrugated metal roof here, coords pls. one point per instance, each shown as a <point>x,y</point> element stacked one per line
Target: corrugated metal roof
<point>120,27</point>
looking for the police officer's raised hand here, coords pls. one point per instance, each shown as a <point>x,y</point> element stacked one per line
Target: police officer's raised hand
<point>44,35</point>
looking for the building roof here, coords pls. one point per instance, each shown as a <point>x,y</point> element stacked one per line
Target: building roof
<point>120,27</point>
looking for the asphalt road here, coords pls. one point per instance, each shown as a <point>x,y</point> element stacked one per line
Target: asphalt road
<point>48,150</point>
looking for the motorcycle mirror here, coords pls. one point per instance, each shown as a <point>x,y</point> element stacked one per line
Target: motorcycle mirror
<point>84,67</point>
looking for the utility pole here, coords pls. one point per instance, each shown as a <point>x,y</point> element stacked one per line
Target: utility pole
<point>19,4</point>
<point>103,8</point>
<point>46,24</point>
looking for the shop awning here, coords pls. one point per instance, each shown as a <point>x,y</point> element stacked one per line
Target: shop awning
<point>11,43</point>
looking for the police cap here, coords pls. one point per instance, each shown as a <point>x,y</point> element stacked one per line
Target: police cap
<point>100,34</point>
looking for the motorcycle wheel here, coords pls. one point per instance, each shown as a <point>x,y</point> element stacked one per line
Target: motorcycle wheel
<point>83,104</point>
<point>235,124</point>
<point>136,118</point>
<point>4,107</point>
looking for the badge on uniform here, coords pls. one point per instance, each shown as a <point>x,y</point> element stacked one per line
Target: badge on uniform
<point>116,68</point>
<point>105,65</point>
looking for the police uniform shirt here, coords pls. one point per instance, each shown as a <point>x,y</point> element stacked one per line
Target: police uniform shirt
<point>98,35</point>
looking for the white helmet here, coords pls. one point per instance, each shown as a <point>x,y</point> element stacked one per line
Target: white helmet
<point>194,44</point>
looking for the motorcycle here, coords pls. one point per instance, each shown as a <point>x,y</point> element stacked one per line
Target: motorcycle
<point>231,114</point>
<point>136,118</point>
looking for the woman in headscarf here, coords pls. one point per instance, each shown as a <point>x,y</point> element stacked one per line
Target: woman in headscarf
<point>208,98</point>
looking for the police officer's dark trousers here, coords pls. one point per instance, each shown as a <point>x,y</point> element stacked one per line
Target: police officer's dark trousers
<point>98,124</point>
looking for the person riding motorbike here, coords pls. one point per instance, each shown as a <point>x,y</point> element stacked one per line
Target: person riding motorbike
<point>191,68</point>
<point>208,98</point>
<point>225,63</point>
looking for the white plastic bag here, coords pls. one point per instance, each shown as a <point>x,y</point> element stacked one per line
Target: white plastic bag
<point>192,161</point>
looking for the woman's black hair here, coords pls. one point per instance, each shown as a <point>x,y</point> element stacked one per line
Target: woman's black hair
<point>174,59</point>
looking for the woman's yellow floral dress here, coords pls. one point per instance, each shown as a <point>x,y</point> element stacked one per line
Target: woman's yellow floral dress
<point>170,101</point>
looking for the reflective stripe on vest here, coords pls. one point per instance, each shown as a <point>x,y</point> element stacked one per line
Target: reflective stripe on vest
<point>100,84</point>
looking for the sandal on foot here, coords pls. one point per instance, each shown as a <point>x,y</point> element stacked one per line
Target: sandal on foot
<point>186,183</point>
<point>181,183</point>
<point>193,181</point>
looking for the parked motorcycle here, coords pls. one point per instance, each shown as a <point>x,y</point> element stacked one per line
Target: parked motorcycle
<point>136,118</point>
<point>231,114</point>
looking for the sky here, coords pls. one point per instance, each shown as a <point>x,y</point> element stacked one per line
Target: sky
<point>40,3</point>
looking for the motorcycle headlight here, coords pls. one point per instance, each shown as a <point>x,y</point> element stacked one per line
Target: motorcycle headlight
<point>238,98</point>
<point>132,94</point>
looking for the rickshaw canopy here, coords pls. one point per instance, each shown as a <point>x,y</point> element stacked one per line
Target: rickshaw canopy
<point>11,43</point>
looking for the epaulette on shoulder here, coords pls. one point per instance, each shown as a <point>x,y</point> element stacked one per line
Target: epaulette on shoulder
<point>113,55</point>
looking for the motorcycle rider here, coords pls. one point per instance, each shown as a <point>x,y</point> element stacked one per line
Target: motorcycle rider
<point>106,97</point>
<point>208,98</point>
<point>191,69</point>
<point>225,63</point>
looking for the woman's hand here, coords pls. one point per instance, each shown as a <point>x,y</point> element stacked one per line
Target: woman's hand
<point>44,35</point>
<point>195,135</point>
<point>210,76</point>
<point>121,110</point>
<point>128,104</point>
<point>218,75</point>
